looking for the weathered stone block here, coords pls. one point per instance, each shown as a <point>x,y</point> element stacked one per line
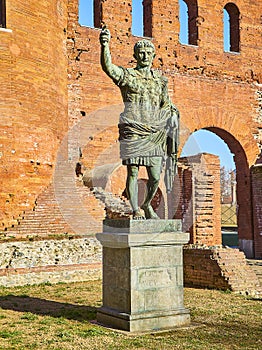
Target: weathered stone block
<point>148,294</point>
<point>172,256</point>
<point>161,277</point>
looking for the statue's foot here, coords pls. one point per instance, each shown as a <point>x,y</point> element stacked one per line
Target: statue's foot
<point>138,215</point>
<point>149,212</point>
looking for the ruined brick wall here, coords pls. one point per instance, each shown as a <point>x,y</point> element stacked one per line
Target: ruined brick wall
<point>184,198</point>
<point>53,81</point>
<point>79,214</point>
<point>220,268</point>
<point>213,89</point>
<point>50,261</point>
<point>200,208</point>
<point>257,208</point>
<point>33,102</point>
<point>195,72</point>
<point>256,172</point>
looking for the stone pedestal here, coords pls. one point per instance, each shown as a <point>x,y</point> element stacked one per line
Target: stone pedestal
<point>143,275</point>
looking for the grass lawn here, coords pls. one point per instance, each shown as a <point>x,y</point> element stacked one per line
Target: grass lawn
<point>58,317</point>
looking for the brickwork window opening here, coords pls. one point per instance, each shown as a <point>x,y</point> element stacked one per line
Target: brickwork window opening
<point>231,28</point>
<point>142,18</point>
<point>188,14</point>
<point>90,12</point>
<point>137,18</point>
<point>2,14</point>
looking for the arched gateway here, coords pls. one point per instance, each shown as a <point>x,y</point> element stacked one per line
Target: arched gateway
<point>228,112</point>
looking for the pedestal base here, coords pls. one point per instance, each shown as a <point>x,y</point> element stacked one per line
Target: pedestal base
<point>148,321</point>
<point>143,275</point>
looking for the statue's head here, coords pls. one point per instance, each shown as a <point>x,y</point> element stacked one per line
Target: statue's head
<point>144,52</point>
<point>141,44</point>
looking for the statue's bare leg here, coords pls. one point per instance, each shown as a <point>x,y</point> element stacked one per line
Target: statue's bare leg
<point>152,186</point>
<point>132,191</point>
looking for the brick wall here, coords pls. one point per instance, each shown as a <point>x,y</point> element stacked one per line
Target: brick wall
<point>33,102</point>
<point>219,268</point>
<point>212,89</point>
<point>59,212</point>
<point>200,206</point>
<point>52,81</point>
<point>257,207</point>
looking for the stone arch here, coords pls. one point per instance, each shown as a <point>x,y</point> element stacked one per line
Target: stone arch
<point>226,109</point>
<point>243,189</point>
<point>221,114</point>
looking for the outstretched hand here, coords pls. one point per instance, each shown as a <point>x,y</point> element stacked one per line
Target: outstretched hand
<point>104,36</point>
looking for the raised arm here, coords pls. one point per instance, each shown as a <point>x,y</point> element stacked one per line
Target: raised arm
<point>113,71</point>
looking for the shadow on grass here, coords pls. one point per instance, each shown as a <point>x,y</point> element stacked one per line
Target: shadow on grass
<point>47,307</point>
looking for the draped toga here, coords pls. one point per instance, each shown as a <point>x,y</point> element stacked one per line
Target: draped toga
<point>149,124</point>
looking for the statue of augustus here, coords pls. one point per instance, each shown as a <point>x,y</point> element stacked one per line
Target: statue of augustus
<point>149,124</point>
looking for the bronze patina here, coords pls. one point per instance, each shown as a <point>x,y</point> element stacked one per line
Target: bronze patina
<point>149,124</point>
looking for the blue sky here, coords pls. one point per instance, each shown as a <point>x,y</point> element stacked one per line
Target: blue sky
<point>202,140</point>
<point>86,8</point>
<point>206,141</point>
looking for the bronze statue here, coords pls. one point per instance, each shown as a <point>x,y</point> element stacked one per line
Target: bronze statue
<point>149,124</point>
